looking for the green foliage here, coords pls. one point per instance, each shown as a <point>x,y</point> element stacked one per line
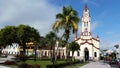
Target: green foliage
<point>74,46</point>
<point>51,39</point>
<point>62,43</point>
<point>27,33</point>
<point>8,35</point>
<point>68,21</point>
<point>62,65</point>
<point>42,63</point>
<point>20,34</point>
<point>42,42</point>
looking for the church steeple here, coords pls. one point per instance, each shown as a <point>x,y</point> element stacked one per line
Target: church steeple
<point>86,21</point>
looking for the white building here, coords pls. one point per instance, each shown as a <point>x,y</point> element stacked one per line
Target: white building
<point>89,45</point>
<point>11,49</point>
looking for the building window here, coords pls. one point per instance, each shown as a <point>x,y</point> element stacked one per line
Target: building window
<point>45,53</point>
<point>95,54</point>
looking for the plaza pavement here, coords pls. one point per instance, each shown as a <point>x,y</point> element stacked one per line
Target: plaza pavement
<point>4,67</point>
<point>2,60</point>
<point>96,65</point>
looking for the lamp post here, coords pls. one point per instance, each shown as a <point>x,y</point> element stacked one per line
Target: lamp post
<point>56,49</point>
<point>35,53</point>
<point>54,56</point>
<point>35,50</point>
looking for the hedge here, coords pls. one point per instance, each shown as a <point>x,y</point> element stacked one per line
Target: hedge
<point>62,64</point>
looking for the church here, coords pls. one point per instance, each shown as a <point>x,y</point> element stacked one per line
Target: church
<point>89,45</point>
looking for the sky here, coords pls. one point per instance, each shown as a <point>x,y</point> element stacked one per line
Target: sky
<point>40,14</point>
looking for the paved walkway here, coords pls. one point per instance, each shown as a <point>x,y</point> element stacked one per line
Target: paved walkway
<point>4,67</point>
<point>2,60</point>
<point>96,65</point>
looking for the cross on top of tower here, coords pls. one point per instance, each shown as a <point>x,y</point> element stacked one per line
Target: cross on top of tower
<point>86,7</point>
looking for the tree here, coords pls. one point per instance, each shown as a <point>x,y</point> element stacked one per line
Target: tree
<point>26,34</point>
<point>21,35</point>
<point>51,41</point>
<point>42,42</point>
<point>8,35</point>
<point>68,21</point>
<point>117,46</point>
<point>62,43</point>
<point>74,47</point>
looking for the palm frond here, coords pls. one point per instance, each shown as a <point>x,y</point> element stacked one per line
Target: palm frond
<point>74,12</point>
<point>67,18</point>
<point>57,24</point>
<point>64,10</point>
<point>76,19</point>
<point>75,25</point>
<point>59,16</point>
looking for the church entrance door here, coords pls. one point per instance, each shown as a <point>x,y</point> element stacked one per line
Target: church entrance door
<point>86,54</point>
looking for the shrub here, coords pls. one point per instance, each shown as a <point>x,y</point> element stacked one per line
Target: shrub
<point>10,63</point>
<point>24,65</point>
<point>36,66</point>
<point>22,57</point>
<point>61,64</point>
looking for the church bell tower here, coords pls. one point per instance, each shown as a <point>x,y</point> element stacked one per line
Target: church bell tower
<point>89,45</point>
<point>86,22</point>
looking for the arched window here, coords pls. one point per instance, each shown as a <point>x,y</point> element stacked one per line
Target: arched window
<point>86,24</point>
<point>95,54</point>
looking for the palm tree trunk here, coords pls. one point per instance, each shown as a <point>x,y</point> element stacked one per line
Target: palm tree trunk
<point>67,34</point>
<point>72,55</point>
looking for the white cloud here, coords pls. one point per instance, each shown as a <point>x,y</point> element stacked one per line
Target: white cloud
<point>38,13</point>
<point>107,43</point>
<point>93,3</point>
<point>94,25</point>
<point>109,40</point>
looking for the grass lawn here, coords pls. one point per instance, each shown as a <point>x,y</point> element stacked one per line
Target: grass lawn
<point>42,63</point>
<point>77,65</point>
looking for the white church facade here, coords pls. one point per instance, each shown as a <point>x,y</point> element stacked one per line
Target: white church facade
<point>89,45</point>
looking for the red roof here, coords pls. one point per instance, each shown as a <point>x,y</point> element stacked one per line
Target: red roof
<point>89,44</point>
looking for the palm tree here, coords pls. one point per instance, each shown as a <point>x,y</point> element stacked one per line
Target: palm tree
<point>68,21</point>
<point>73,47</point>
<point>51,41</point>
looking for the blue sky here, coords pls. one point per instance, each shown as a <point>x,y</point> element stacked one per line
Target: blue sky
<point>40,14</point>
<point>104,18</point>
